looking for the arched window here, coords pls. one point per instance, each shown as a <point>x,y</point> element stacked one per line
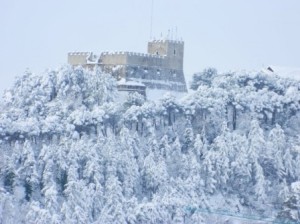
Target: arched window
<point>174,52</point>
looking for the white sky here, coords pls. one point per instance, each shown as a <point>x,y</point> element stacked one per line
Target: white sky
<point>225,34</point>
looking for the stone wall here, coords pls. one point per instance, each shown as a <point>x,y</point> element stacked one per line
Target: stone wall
<point>117,58</point>
<point>146,60</point>
<point>78,58</point>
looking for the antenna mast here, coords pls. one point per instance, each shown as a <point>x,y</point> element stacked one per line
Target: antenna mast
<point>151,19</point>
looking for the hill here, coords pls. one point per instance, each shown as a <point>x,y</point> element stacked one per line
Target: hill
<point>227,151</point>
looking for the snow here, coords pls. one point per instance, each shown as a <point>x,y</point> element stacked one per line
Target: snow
<point>156,94</point>
<point>296,187</point>
<point>92,59</point>
<point>157,81</point>
<point>130,83</point>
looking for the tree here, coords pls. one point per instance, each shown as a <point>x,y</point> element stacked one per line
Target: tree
<point>28,170</point>
<point>113,211</point>
<point>198,148</point>
<point>277,145</point>
<point>203,78</point>
<point>256,141</point>
<point>222,147</point>
<point>9,174</point>
<point>240,177</point>
<point>208,173</point>
<point>188,140</point>
<point>77,206</point>
<point>259,185</point>
<point>154,174</point>
<point>149,212</point>
<point>169,107</point>
<point>290,211</point>
<point>174,160</point>
<point>164,147</point>
<point>134,98</point>
<point>49,189</point>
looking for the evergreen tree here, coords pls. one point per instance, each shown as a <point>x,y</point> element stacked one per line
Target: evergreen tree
<point>198,149</point>
<point>188,140</point>
<point>291,208</point>
<point>113,211</point>
<point>203,78</point>
<point>277,142</point>
<point>208,173</point>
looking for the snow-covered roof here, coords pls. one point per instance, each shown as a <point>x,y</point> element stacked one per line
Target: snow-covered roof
<point>285,72</point>
<point>130,83</point>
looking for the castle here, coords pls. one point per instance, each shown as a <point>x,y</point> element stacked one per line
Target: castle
<point>160,69</point>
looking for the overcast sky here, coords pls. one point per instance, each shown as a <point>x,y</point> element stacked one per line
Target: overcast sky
<point>225,34</point>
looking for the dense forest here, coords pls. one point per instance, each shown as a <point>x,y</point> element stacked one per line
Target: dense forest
<point>226,152</point>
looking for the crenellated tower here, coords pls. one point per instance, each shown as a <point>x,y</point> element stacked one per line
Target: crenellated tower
<point>172,49</point>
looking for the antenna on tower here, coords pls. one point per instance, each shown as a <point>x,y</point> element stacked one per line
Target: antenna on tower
<point>151,19</point>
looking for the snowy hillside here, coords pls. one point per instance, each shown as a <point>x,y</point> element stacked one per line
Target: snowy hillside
<point>228,152</point>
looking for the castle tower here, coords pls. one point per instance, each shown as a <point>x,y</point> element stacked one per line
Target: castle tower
<point>173,50</point>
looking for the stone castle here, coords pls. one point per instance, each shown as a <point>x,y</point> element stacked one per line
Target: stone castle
<point>161,68</point>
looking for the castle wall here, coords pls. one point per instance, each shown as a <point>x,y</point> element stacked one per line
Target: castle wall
<point>78,58</point>
<point>118,58</point>
<point>152,77</point>
<point>145,60</point>
<point>155,73</point>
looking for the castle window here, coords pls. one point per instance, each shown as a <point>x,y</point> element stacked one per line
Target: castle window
<point>174,52</point>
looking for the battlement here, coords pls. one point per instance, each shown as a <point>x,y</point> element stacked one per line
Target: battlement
<point>80,53</point>
<point>128,53</point>
<point>146,55</point>
<point>168,41</point>
<point>78,58</point>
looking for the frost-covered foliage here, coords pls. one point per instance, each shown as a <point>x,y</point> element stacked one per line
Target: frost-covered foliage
<point>70,153</point>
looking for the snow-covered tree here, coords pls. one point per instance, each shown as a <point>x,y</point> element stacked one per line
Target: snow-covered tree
<point>203,78</point>
<point>291,208</point>
<point>70,153</point>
